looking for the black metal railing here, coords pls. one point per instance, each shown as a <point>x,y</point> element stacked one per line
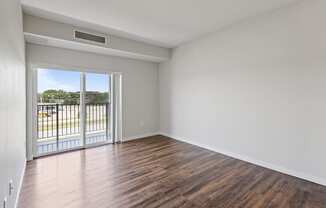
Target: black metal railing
<point>59,120</point>
<point>96,117</point>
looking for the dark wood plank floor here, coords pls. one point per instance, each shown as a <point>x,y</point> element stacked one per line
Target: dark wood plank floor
<point>159,172</point>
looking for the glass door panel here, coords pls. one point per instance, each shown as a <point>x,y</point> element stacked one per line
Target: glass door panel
<point>97,108</point>
<point>58,111</point>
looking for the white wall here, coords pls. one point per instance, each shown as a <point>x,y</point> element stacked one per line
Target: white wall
<point>140,83</point>
<point>12,98</point>
<point>255,90</point>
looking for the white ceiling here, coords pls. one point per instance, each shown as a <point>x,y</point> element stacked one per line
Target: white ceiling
<point>166,23</point>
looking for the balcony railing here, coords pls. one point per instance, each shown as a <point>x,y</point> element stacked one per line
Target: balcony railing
<point>58,125</point>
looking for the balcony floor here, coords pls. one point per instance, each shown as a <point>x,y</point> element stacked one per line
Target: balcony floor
<point>49,145</point>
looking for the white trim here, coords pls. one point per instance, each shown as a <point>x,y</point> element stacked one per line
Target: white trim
<point>20,184</point>
<point>111,112</point>
<point>119,108</point>
<point>284,170</point>
<point>68,67</point>
<point>120,116</point>
<point>140,136</point>
<point>34,111</point>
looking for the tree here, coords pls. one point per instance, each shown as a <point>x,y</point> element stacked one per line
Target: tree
<point>61,96</point>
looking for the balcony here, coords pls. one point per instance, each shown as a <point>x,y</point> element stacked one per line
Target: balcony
<point>59,126</point>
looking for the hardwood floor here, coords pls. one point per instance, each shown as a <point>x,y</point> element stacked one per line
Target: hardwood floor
<point>159,172</point>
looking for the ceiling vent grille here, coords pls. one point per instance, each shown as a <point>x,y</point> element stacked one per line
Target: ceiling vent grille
<point>90,37</point>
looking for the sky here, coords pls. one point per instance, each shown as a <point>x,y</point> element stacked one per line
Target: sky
<point>70,81</point>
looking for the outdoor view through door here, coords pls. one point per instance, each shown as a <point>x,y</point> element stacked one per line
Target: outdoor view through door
<point>97,108</point>
<point>73,110</point>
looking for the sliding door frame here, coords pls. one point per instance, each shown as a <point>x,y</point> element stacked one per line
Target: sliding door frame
<point>84,114</point>
<point>83,108</point>
<point>32,107</point>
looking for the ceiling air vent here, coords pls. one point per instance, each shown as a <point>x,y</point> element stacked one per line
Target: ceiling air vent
<point>90,37</point>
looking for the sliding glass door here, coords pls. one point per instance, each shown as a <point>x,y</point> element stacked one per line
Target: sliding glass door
<point>73,110</point>
<point>97,108</point>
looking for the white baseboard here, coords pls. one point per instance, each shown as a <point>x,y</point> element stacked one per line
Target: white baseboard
<point>20,184</point>
<point>139,136</point>
<point>308,177</point>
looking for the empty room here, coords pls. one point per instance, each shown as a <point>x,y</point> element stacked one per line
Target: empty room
<point>162,104</point>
